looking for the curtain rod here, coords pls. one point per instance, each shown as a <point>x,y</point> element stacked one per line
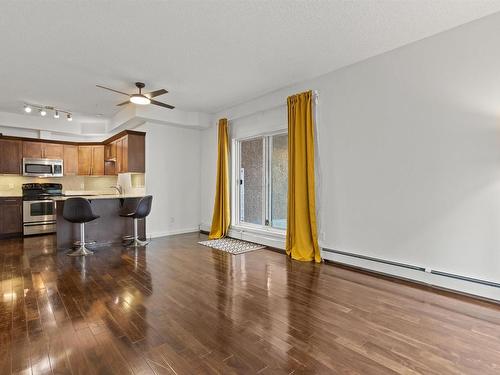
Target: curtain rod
<point>315,96</point>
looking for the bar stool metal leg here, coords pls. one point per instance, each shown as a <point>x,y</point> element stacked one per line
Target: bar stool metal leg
<point>82,249</point>
<point>136,242</point>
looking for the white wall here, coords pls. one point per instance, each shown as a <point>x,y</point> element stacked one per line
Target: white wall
<point>173,178</point>
<point>409,152</point>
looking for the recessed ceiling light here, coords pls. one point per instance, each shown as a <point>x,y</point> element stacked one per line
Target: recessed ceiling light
<point>27,109</point>
<point>140,99</point>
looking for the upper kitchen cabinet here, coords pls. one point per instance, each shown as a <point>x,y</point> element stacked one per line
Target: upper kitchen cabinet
<point>91,160</point>
<point>130,153</point>
<point>10,156</point>
<point>97,160</point>
<point>70,160</point>
<point>125,154</point>
<point>122,153</point>
<point>110,151</point>
<point>32,150</point>
<point>53,151</point>
<point>39,150</point>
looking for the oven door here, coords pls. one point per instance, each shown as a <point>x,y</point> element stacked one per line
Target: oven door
<point>39,211</point>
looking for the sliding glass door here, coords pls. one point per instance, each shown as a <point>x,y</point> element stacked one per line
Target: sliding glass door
<point>252,181</point>
<point>278,192</point>
<point>261,186</point>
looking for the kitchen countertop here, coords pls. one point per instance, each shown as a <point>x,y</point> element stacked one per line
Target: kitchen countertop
<point>10,195</point>
<point>99,196</point>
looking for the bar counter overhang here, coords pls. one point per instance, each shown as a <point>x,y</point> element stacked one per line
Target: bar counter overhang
<point>108,229</point>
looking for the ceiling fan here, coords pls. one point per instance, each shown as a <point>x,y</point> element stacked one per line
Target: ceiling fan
<point>140,98</point>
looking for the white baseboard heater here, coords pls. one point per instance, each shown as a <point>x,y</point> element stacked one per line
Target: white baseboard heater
<point>412,269</point>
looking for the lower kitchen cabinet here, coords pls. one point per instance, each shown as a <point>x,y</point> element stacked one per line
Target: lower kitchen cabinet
<point>11,217</point>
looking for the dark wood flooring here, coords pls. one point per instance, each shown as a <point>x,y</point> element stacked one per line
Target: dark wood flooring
<point>181,308</point>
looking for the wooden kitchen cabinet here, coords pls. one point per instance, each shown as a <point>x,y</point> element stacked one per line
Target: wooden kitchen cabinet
<point>110,152</point>
<point>130,154</point>
<point>70,158</point>
<point>11,217</point>
<point>10,156</point>
<point>53,150</point>
<point>97,160</point>
<point>32,150</point>
<point>124,152</point>
<point>39,150</point>
<point>121,156</point>
<point>84,160</point>
<point>91,160</point>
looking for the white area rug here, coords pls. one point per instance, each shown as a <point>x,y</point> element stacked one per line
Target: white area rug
<point>232,246</point>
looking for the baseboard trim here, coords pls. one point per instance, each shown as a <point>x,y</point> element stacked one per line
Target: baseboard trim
<point>171,232</point>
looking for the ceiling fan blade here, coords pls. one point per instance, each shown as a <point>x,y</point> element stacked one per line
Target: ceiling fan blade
<point>107,88</point>
<point>128,101</point>
<point>162,104</point>
<point>152,94</point>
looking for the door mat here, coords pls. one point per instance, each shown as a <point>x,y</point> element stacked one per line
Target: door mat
<point>232,246</point>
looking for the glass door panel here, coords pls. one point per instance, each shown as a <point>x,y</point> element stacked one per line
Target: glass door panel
<point>252,181</point>
<point>279,180</point>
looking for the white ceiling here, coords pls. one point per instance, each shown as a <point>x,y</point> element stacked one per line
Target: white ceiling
<point>208,54</point>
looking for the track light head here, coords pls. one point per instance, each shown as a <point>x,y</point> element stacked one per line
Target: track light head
<point>70,118</point>
<point>27,109</point>
<point>56,114</point>
<point>43,112</point>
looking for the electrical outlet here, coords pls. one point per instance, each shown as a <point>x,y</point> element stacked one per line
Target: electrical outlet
<point>11,186</point>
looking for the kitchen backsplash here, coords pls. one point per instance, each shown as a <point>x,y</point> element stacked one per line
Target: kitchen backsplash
<point>12,185</point>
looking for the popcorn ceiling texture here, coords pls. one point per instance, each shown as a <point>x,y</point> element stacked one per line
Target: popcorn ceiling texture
<point>229,52</point>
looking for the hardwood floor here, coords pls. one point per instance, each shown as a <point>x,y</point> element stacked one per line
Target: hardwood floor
<point>181,308</point>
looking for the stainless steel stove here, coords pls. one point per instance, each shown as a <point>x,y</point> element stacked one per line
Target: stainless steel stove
<point>39,210</point>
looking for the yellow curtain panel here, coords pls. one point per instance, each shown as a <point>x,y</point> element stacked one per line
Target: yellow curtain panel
<point>301,233</point>
<point>222,211</point>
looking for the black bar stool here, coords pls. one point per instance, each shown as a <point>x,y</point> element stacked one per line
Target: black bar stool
<point>78,210</point>
<point>137,209</point>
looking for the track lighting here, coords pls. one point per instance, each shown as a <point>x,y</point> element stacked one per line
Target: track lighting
<point>43,109</point>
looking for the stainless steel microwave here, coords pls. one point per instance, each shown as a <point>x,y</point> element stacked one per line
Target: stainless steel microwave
<point>43,167</point>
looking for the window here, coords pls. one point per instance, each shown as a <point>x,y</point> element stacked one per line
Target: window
<point>262,182</point>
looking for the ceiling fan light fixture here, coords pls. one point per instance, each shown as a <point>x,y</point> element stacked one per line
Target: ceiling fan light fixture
<point>140,99</point>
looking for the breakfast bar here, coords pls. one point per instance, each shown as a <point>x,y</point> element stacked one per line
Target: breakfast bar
<point>108,229</point>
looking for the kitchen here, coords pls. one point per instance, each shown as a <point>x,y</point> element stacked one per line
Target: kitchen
<point>34,173</point>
